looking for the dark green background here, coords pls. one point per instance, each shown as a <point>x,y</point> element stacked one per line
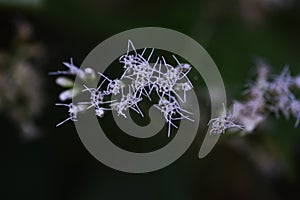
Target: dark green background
<point>57,166</point>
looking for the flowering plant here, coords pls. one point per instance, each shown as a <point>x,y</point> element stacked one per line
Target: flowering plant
<point>268,94</point>
<point>142,80</point>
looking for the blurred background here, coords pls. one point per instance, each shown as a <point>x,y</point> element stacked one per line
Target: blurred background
<point>40,161</point>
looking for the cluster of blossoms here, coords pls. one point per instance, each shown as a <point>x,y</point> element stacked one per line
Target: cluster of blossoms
<point>225,121</point>
<point>268,94</point>
<point>139,80</point>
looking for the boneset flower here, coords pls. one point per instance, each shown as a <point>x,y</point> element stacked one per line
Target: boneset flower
<point>223,122</point>
<point>295,110</point>
<point>73,112</point>
<point>144,79</point>
<point>268,94</point>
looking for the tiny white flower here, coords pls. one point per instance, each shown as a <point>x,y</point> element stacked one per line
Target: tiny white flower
<point>225,121</point>
<point>99,112</point>
<point>73,70</point>
<point>64,82</point>
<point>297,81</point>
<point>73,112</point>
<point>66,95</point>
<point>248,115</point>
<point>295,110</point>
<point>89,73</point>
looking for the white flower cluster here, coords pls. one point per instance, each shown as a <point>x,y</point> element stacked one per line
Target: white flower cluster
<point>251,111</point>
<point>138,81</point>
<point>282,97</point>
<point>268,94</point>
<point>223,122</point>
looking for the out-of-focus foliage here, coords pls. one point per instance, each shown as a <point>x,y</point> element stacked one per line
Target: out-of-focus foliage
<point>20,84</point>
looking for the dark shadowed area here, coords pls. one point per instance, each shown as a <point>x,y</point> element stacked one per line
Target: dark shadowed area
<point>41,161</point>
